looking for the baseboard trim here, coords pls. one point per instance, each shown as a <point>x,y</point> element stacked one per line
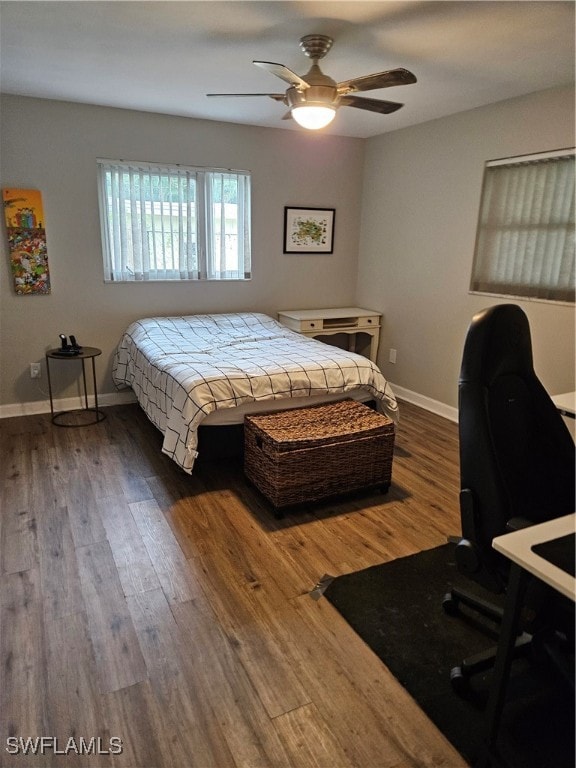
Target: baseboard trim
<point>124,398</point>
<point>434,406</point>
<point>64,404</point>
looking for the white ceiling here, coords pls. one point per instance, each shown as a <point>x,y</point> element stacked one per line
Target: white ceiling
<point>165,56</point>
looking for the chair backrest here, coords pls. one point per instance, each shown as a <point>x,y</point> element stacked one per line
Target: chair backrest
<point>517,456</point>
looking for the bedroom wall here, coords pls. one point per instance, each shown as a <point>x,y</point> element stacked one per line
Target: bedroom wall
<point>52,146</point>
<point>419,211</point>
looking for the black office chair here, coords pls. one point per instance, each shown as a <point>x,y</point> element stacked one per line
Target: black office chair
<point>517,458</point>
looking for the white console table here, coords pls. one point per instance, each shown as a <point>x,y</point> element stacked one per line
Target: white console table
<point>520,547</point>
<point>329,322</point>
<point>566,403</point>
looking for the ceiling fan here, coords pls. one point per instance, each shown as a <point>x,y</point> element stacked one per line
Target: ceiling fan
<point>314,98</point>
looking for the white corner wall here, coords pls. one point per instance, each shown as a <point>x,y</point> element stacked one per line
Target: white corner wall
<point>419,211</point>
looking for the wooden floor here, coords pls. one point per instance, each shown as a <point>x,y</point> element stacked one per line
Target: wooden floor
<point>173,613</point>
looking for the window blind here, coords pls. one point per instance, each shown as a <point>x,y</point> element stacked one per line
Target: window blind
<point>525,244</point>
<point>163,222</point>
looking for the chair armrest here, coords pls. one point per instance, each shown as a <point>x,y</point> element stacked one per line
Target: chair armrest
<point>517,524</point>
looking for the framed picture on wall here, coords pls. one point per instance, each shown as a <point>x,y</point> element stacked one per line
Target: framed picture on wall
<point>24,216</point>
<point>309,230</point>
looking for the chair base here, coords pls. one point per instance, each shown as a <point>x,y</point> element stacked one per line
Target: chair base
<point>480,662</point>
<point>460,675</point>
<point>485,608</point>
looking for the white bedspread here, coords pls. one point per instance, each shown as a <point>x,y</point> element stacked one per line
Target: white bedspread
<point>183,368</point>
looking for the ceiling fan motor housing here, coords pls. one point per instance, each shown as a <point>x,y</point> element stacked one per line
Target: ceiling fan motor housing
<point>316,95</point>
<point>321,91</point>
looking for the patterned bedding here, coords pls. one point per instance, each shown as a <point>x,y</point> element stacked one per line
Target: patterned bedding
<point>183,368</point>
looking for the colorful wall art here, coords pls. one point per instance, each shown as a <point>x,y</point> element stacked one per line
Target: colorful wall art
<point>24,217</point>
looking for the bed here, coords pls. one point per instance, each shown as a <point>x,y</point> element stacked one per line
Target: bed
<point>213,369</point>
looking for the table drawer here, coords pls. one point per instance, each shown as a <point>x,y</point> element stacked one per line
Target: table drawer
<point>369,322</point>
<point>311,325</point>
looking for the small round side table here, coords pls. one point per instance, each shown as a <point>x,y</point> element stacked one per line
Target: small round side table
<point>85,353</point>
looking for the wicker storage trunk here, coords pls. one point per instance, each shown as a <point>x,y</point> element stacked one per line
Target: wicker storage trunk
<point>307,454</point>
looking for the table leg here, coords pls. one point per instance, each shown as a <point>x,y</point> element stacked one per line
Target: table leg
<point>84,380</point>
<point>517,582</point>
<point>373,347</point>
<point>49,387</point>
<point>95,389</point>
<point>352,337</point>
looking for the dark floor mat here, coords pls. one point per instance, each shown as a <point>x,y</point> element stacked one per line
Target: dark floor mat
<point>397,610</point>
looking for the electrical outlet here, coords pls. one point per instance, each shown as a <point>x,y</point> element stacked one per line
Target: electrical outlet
<point>392,356</point>
<point>35,370</point>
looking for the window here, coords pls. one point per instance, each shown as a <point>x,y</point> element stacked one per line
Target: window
<point>173,222</point>
<point>525,240</point>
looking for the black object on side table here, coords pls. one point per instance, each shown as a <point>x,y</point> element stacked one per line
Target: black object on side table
<point>82,354</point>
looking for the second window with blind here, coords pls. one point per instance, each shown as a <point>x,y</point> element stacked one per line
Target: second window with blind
<point>525,245</point>
<point>171,222</point>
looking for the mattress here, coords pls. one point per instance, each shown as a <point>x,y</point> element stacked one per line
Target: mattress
<point>184,369</point>
<point>229,416</point>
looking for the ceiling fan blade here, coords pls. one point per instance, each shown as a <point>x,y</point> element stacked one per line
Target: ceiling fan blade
<point>378,80</point>
<point>283,73</point>
<point>275,96</point>
<point>372,105</point>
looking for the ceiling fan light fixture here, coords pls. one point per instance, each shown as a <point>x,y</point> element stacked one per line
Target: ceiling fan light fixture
<point>312,116</point>
<point>313,99</point>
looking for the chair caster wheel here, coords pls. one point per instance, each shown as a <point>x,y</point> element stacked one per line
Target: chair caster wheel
<point>450,604</point>
<point>458,681</point>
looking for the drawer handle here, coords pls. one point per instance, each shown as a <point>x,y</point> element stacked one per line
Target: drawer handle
<point>311,325</point>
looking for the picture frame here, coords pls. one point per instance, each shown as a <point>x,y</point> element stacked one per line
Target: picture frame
<point>309,230</point>
<point>24,217</point>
